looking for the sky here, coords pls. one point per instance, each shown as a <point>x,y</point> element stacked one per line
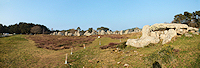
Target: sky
<point>113,14</point>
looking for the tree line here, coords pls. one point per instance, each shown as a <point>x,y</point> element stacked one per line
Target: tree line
<point>24,28</point>
<point>191,19</point>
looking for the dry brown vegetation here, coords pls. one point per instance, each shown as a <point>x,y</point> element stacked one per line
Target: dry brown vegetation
<point>54,42</point>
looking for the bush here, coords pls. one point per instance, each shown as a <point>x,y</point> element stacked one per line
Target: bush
<point>122,45</point>
<point>165,55</point>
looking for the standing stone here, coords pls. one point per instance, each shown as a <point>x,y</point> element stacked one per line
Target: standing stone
<point>75,33</point>
<point>121,32</point>
<point>93,32</point>
<point>126,32</point>
<point>102,32</point>
<point>87,33</point>
<point>145,31</point>
<point>60,33</point>
<point>78,33</point>
<point>54,33</point>
<point>70,34</point>
<point>108,32</point>
<point>99,32</point>
<point>66,33</point>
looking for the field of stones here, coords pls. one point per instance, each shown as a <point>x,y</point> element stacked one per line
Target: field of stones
<point>105,51</point>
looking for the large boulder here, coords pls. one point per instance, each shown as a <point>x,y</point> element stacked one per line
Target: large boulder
<point>144,40</point>
<point>164,31</point>
<point>192,29</point>
<point>168,36</point>
<point>168,26</point>
<point>145,31</point>
<point>181,31</point>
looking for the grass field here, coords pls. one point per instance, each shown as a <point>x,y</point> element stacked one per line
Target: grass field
<point>16,51</point>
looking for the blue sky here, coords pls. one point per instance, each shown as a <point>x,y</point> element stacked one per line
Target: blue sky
<point>114,14</point>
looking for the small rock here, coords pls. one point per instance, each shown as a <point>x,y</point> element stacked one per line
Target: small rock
<point>195,33</point>
<point>141,55</point>
<point>135,51</point>
<point>188,35</point>
<point>118,62</point>
<point>90,61</point>
<point>126,65</point>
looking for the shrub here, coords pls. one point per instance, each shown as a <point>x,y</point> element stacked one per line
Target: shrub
<point>122,45</point>
<point>165,55</point>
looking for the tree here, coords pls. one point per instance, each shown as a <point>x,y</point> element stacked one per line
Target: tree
<point>1,28</point>
<point>191,19</point>
<point>90,30</point>
<point>78,28</point>
<point>103,28</point>
<point>36,29</point>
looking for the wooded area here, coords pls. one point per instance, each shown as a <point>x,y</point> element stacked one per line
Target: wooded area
<point>24,28</point>
<point>191,19</point>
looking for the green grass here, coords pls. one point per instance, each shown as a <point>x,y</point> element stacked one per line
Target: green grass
<point>16,51</point>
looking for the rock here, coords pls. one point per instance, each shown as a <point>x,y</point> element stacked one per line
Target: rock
<point>181,31</point>
<point>126,65</point>
<point>109,32</point>
<point>115,32</point>
<point>66,33</point>
<point>147,40</point>
<point>87,33</point>
<point>144,40</point>
<point>196,33</point>
<point>145,31</point>
<point>192,29</point>
<point>60,33</point>
<point>70,34</point>
<point>168,25</point>
<point>118,62</point>
<point>77,33</point>
<point>126,32</point>
<point>162,36</point>
<point>51,34</point>
<point>121,32</point>
<point>137,30</point>
<point>169,35</point>
<point>93,32</point>
<point>153,34</point>
<point>54,33</point>
<point>90,61</point>
<point>188,35</point>
<point>102,32</point>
